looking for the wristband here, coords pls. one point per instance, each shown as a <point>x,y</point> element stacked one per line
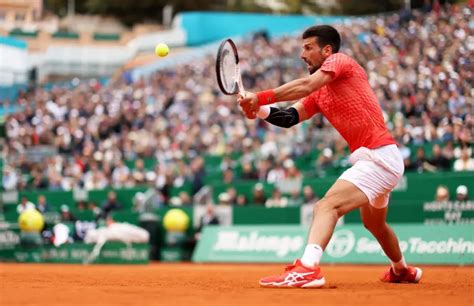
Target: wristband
<point>264,112</point>
<point>266,97</point>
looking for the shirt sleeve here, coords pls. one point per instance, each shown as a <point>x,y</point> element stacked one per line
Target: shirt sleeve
<point>310,103</point>
<point>338,64</point>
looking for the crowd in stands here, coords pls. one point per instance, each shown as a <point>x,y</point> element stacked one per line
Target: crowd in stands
<point>420,67</point>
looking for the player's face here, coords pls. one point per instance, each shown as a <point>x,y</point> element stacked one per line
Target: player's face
<point>313,54</point>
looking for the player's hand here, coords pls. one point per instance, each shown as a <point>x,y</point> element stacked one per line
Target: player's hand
<point>249,105</point>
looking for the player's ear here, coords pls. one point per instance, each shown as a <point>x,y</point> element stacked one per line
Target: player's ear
<point>327,50</point>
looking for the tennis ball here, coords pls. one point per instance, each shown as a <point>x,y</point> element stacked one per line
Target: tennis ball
<point>176,220</point>
<point>31,220</point>
<point>162,50</point>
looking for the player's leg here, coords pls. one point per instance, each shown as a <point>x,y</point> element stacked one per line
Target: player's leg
<point>374,173</point>
<point>339,200</point>
<point>374,220</point>
<point>374,216</point>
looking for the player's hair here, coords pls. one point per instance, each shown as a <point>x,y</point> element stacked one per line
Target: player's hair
<point>326,35</point>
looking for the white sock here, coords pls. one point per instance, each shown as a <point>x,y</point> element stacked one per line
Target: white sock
<point>398,266</point>
<point>312,255</point>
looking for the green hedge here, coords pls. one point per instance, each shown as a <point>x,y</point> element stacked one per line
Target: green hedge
<point>106,36</point>
<point>66,35</point>
<point>20,33</point>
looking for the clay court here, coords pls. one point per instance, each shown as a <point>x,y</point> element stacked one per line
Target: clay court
<point>222,284</point>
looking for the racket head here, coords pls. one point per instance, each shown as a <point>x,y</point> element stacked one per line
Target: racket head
<point>227,68</point>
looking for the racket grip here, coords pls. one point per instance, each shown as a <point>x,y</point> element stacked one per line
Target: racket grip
<point>266,97</point>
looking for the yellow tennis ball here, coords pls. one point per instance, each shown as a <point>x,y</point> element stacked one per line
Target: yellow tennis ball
<point>31,220</point>
<point>176,220</point>
<point>162,50</point>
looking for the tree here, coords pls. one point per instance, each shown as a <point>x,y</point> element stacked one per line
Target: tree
<point>354,7</point>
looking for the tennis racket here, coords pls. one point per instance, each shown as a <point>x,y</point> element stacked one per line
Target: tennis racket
<point>228,70</point>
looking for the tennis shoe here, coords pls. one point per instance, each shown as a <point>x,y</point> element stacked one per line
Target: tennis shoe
<point>295,276</point>
<point>410,275</point>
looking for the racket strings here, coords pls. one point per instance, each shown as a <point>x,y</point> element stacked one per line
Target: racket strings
<point>228,68</point>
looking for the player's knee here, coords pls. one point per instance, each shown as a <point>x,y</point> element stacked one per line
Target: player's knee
<point>326,207</point>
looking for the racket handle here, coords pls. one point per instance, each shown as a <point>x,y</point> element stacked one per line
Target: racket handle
<point>240,86</point>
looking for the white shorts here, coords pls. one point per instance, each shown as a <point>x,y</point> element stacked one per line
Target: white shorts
<point>375,172</point>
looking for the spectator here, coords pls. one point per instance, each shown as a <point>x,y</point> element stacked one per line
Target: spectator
<point>325,160</point>
<point>120,174</point>
<point>424,86</point>
<point>227,163</point>
<point>110,205</point>
<point>448,150</point>
<point>175,202</point>
<point>465,162</point>
<point>66,215</point>
<point>295,198</point>
<point>442,193</point>
<point>276,174</point>
<point>263,168</point>
<point>39,181</point>
<point>198,173</point>
<point>276,200</point>
<point>232,195</point>
<point>462,193</point>
<point>248,173</point>
<point>241,200</point>
<point>185,198</point>
<point>291,172</point>
<point>439,161</point>
<point>259,194</point>
<point>420,163</point>
<point>228,176</point>
<point>309,197</point>
<point>42,206</point>
<point>81,206</point>
<point>209,218</point>
<point>138,173</point>
<point>10,178</point>
<point>24,205</point>
<point>224,199</point>
<point>91,205</point>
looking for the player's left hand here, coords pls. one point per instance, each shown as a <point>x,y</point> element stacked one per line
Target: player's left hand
<point>249,105</point>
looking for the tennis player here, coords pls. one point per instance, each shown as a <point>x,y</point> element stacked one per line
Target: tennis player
<point>338,88</point>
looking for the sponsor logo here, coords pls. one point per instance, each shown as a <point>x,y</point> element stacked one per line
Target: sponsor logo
<point>451,246</point>
<point>9,239</point>
<point>281,245</point>
<point>295,278</point>
<point>341,244</point>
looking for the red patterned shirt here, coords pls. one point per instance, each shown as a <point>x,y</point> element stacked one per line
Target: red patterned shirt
<point>350,104</point>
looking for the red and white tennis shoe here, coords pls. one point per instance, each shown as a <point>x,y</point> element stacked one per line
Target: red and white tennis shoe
<point>295,276</point>
<point>411,275</point>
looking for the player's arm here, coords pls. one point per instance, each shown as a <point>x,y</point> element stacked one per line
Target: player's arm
<point>293,90</point>
<point>300,88</point>
<point>284,118</point>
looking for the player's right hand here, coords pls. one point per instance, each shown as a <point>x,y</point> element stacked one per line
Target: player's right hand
<point>249,105</point>
<point>248,113</point>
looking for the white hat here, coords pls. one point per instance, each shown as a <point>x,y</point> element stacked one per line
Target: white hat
<point>288,163</point>
<point>224,197</point>
<point>64,208</point>
<point>176,201</point>
<point>462,189</point>
<point>327,152</point>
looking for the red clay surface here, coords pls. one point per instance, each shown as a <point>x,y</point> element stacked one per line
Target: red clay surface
<point>222,284</point>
